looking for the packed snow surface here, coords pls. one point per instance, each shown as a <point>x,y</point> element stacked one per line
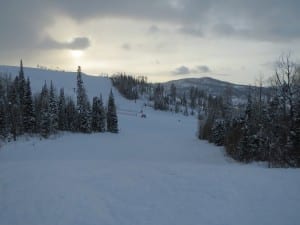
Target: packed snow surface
<point>154,172</point>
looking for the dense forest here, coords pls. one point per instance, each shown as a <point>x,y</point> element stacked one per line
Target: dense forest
<point>48,112</point>
<point>267,129</point>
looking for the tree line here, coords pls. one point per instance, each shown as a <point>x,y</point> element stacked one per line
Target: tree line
<point>47,112</point>
<point>267,129</point>
<point>133,88</point>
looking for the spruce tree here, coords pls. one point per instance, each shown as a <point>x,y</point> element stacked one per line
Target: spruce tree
<point>98,115</point>
<point>53,110</point>
<point>102,115</point>
<point>21,86</point>
<point>3,111</point>
<point>28,114</point>
<point>83,106</point>
<point>62,116</point>
<point>95,115</point>
<point>111,116</point>
<point>45,112</point>
<point>71,115</point>
<point>14,114</point>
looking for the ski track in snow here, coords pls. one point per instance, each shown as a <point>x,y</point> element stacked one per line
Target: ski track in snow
<point>154,172</point>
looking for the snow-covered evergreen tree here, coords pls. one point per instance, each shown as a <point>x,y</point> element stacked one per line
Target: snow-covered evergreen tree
<point>83,106</point>
<point>98,115</point>
<point>111,116</point>
<point>95,115</point>
<point>45,121</point>
<point>53,109</point>
<point>28,113</point>
<point>72,115</point>
<point>21,86</point>
<point>14,112</point>
<point>3,111</point>
<point>102,115</point>
<point>218,132</point>
<point>62,115</point>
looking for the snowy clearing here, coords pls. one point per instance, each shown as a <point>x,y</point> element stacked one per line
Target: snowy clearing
<point>154,172</point>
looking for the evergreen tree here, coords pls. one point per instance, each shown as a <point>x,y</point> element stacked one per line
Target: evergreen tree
<point>159,99</point>
<point>45,112</point>
<point>173,93</point>
<point>53,110</point>
<point>111,116</point>
<point>3,111</point>
<point>62,115</point>
<point>102,115</point>
<point>28,114</point>
<point>95,115</point>
<point>218,132</point>
<point>83,106</point>
<point>14,118</point>
<point>21,86</point>
<point>72,115</point>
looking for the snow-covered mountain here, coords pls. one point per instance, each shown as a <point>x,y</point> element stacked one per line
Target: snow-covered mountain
<point>210,85</point>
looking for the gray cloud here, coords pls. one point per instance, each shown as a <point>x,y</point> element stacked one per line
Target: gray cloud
<point>182,70</point>
<point>195,31</point>
<point>23,22</point>
<point>78,43</point>
<point>126,46</point>
<point>153,29</point>
<point>224,29</point>
<point>203,69</point>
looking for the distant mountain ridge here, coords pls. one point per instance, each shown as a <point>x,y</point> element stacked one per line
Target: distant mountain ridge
<point>209,85</point>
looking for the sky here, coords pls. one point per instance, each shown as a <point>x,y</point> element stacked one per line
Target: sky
<point>234,40</point>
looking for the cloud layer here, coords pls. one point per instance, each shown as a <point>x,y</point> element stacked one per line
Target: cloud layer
<point>23,21</point>
<point>78,43</point>
<point>184,70</point>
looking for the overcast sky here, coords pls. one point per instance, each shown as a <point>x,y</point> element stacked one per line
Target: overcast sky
<point>233,40</point>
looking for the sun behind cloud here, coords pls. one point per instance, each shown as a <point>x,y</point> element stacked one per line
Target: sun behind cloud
<point>76,54</point>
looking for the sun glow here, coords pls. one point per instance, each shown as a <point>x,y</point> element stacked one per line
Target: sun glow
<point>76,53</point>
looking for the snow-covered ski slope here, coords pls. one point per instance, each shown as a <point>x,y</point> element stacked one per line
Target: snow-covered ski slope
<point>154,172</point>
<point>95,85</point>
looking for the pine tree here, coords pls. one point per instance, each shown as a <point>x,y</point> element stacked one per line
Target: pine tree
<point>62,116</point>
<point>45,112</point>
<point>28,114</point>
<point>159,100</point>
<point>111,116</point>
<point>14,118</point>
<point>95,115</point>
<point>21,86</point>
<point>72,115</point>
<point>98,115</point>
<point>83,106</point>
<point>218,132</point>
<point>173,93</point>
<point>3,111</point>
<point>53,110</point>
<point>102,115</point>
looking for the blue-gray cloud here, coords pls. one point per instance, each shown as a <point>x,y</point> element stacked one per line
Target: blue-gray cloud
<point>154,29</point>
<point>182,70</point>
<point>195,31</point>
<point>78,43</point>
<point>126,46</point>
<point>22,22</point>
<point>203,69</point>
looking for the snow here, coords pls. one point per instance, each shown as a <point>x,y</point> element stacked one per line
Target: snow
<point>155,171</point>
